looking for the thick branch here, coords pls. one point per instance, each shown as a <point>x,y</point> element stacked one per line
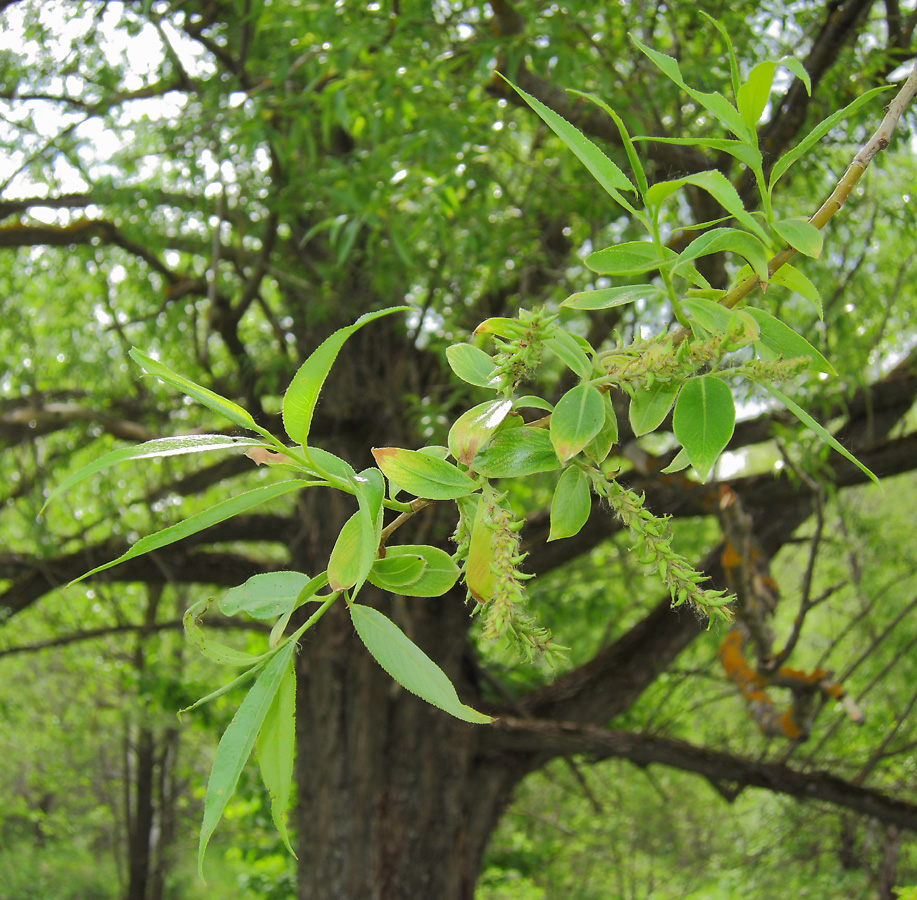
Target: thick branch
<point>528,737</point>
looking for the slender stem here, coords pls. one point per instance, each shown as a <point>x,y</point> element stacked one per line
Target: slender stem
<point>315,616</point>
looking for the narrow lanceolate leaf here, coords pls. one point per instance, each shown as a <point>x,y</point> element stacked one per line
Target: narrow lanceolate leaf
<point>438,571</point>
<point>275,748</point>
<point>473,429</point>
<point>704,420</point>
<point>714,102</point>
<point>357,543</point>
<point>408,664</point>
<point>779,341</point>
<point>423,475</point>
<point>576,420</point>
<point>801,235</point>
<point>630,258</point>
<point>572,350</point>
<point>791,278</point>
<point>212,650</point>
<point>752,96</point>
<point>817,133</point>
<point>829,439</point>
<point>480,576</point>
<point>571,505</point>
<point>471,364</point>
<point>224,407</point>
<point>602,169</point>
<point>264,596</point>
<point>237,742</point>
<point>606,298</point>
<point>193,524</point>
<point>170,446</point>
<point>514,452</point>
<point>650,406</point>
<point>302,394</point>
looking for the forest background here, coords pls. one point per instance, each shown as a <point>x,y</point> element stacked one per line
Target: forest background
<point>224,184</point>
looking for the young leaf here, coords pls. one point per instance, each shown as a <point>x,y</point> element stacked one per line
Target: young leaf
<point>576,420</point>
<point>606,298</point>
<point>605,172</point>
<point>806,419</point>
<point>408,664</point>
<point>212,650</point>
<point>679,463</point>
<point>275,748</point>
<point>423,475</point>
<point>193,524</point>
<point>170,446</point>
<point>513,452</point>
<point>721,189</point>
<point>570,349</point>
<point>600,446</point>
<point>333,469</point>
<point>237,742</point>
<point>801,235</point>
<point>650,406</point>
<point>438,575</point>
<point>357,543</point>
<point>714,318</point>
<point>703,421</point>
<point>224,407</point>
<point>745,245</point>
<point>752,97</point>
<point>713,102</point>
<point>780,341</point>
<point>264,596</point>
<point>472,430</point>
<point>571,506</point>
<point>790,277</point>
<point>480,577</point>
<point>471,364</point>
<point>392,573</point>
<point>302,394</point>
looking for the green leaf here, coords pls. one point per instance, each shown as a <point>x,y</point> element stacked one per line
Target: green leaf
<point>503,326</point>
<point>632,156</point>
<point>237,742</point>
<point>752,96</point>
<point>713,102</point>
<point>650,406</point>
<point>606,298</point>
<point>570,350</point>
<point>790,277</point>
<point>224,407</point>
<point>780,341</point>
<point>471,364</point>
<point>513,452</point>
<point>630,258</point>
<point>212,650</point>
<point>357,545</point>
<point>714,318</point>
<point>472,430</point>
<point>392,573</point>
<point>721,189</point>
<point>423,475</point>
<point>193,524</point>
<point>801,235</point>
<point>302,394</point>
<point>744,153</point>
<point>408,664</point>
<point>275,750</point>
<point>532,402</point>
<point>817,133</point>
<point>333,469</point>
<point>605,172</point>
<point>571,505</point>
<point>576,420</point>
<point>806,419</point>
<point>717,239</point>
<point>480,575</point>
<point>678,464</point>
<point>170,446</point>
<point>704,420</point>
<point>264,596</point>
<point>600,446</point>
<point>438,575</point>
